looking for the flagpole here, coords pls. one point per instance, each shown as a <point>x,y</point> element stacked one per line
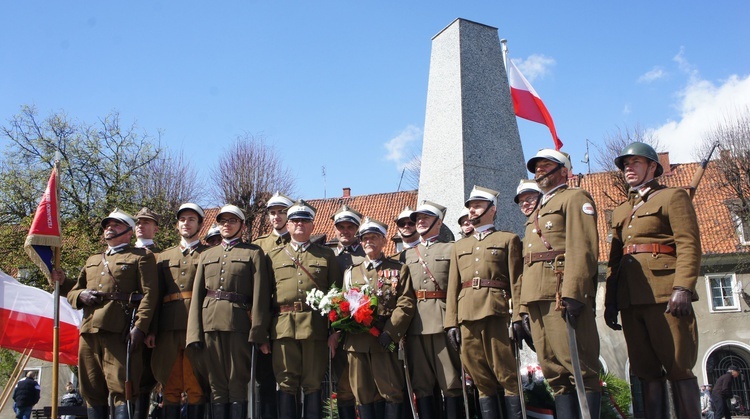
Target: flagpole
<point>504,43</point>
<point>56,329</point>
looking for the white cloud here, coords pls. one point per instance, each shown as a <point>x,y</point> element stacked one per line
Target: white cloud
<point>402,147</point>
<point>626,110</point>
<point>534,67</point>
<point>654,74</point>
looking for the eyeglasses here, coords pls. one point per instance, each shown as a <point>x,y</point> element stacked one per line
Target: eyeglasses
<point>230,221</point>
<point>403,224</point>
<point>529,200</point>
<point>300,221</point>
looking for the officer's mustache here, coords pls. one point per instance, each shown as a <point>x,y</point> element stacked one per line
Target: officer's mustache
<point>116,235</point>
<point>548,174</point>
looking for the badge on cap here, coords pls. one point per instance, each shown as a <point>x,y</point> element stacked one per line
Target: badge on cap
<point>588,209</point>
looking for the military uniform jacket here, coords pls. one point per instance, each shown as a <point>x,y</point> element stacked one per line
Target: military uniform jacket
<point>667,217</point>
<point>347,258</point>
<point>428,318</point>
<point>132,271</point>
<point>176,276</point>
<point>568,222</point>
<point>271,241</point>
<point>496,257</point>
<point>390,282</point>
<point>291,284</point>
<point>240,269</point>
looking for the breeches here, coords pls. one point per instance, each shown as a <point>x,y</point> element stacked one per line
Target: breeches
<point>488,357</point>
<point>299,364</point>
<point>101,368</point>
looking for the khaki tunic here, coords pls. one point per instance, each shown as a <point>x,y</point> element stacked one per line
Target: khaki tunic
<point>176,276</point>
<point>225,327</point>
<point>292,331</point>
<point>645,281</point>
<point>102,350</point>
<point>271,241</point>
<point>483,313</point>
<point>374,372</point>
<point>432,360</point>
<point>568,222</point>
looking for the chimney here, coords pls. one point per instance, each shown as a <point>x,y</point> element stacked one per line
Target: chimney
<point>664,161</point>
<point>347,192</point>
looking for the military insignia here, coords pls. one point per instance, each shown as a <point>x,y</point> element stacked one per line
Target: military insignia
<point>588,209</point>
<point>124,267</point>
<point>379,293</point>
<point>548,225</point>
<point>494,252</point>
<point>317,271</point>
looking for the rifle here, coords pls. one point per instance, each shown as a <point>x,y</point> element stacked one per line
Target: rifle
<point>700,171</point>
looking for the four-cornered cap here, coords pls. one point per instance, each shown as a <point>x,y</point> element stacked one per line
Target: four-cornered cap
<point>192,207</point>
<point>550,154</point>
<point>347,214</point>
<point>429,208</point>
<point>279,200</point>
<point>482,194</point>
<point>301,210</point>
<point>526,185</point>
<point>639,149</point>
<point>464,213</point>
<point>231,209</point>
<point>213,231</point>
<point>147,213</point>
<point>406,213</point>
<point>370,225</point>
<point>121,216</point>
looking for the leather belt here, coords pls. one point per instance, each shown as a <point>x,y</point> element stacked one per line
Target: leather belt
<point>542,256</point>
<point>291,308</point>
<point>184,295</point>
<point>478,283</point>
<point>653,248</point>
<point>130,298</point>
<point>229,296</point>
<point>430,295</point>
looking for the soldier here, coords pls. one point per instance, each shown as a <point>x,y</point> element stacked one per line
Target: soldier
<point>467,228</point>
<point>299,335</point>
<point>146,226</point>
<point>172,364</point>
<point>375,372</point>
<point>276,208</point>
<point>213,236</point>
<point>527,196</point>
<point>115,289</point>
<point>561,247</point>
<point>229,312</point>
<point>346,221</point>
<point>432,360</point>
<point>407,230</point>
<point>484,272</point>
<point>653,267</point>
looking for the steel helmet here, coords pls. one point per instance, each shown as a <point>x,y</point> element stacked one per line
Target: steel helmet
<point>639,149</point>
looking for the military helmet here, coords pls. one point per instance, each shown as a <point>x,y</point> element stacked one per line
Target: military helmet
<point>639,149</point>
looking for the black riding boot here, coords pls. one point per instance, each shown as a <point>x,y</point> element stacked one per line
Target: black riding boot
<point>594,400</point>
<point>687,398</point>
<point>454,407</point>
<point>346,410</point>
<point>195,411</point>
<point>287,405</point>
<point>654,406</point>
<point>121,411</point>
<point>513,407</point>
<point>426,407</point>
<point>489,407</point>
<point>171,411</point>
<point>566,406</point>
<point>313,405</point>
<point>393,410</point>
<point>141,406</point>
<point>97,412</point>
<point>220,410</point>
<point>367,411</point>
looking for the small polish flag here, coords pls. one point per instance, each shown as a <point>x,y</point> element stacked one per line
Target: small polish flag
<point>528,104</point>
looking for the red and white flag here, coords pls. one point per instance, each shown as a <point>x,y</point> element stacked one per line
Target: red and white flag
<point>26,321</point>
<point>44,234</point>
<point>528,104</point>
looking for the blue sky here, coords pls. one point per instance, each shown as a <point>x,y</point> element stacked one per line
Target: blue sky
<point>343,84</point>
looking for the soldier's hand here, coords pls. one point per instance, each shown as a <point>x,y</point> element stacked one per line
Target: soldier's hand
<point>150,341</point>
<point>195,346</point>
<point>136,338</point>
<point>454,337</point>
<point>680,303</point>
<point>265,348</point>
<point>522,332</point>
<point>573,310</point>
<point>610,317</point>
<point>333,342</point>
<point>89,297</point>
<point>58,276</point>
<point>385,341</point>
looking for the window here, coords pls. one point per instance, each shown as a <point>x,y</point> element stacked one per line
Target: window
<point>720,288</point>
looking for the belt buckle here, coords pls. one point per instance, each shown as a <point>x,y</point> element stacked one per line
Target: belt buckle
<point>297,305</point>
<point>476,283</point>
<point>421,295</point>
<point>220,295</point>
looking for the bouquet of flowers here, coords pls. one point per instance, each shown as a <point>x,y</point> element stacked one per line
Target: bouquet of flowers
<point>351,310</point>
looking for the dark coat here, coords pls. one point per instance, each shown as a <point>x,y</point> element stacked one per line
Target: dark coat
<point>27,393</point>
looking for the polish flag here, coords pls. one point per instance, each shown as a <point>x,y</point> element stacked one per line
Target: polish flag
<point>26,321</point>
<point>528,104</point>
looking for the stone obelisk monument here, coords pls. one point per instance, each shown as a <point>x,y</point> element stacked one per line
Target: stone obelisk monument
<point>470,131</point>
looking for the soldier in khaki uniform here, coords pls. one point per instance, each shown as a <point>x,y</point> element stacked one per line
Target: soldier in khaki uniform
<point>407,230</point>
<point>299,335</point>
<point>349,251</point>
<point>213,236</point>
<point>467,228</point>
<point>172,364</point>
<point>375,372</point>
<point>484,272</point>
<point>527,196</point>
<point>146,226</point>
<point>109,290</point>
<point>276,208</point>
<point>432,360</point>
<point>229,312</point>
<point>653,268</point>
<point>561,235</point>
